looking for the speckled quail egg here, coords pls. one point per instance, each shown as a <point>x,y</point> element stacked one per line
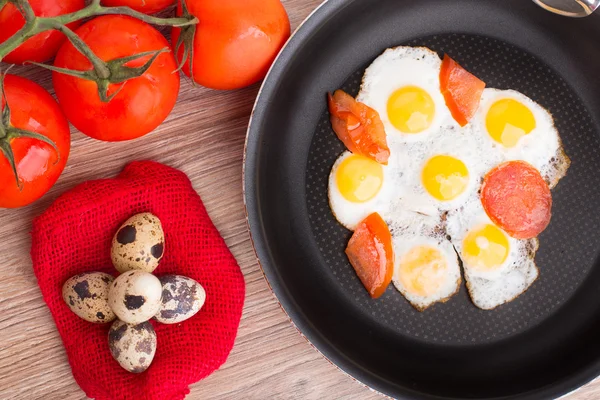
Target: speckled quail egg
<point>139,244</point>
<point>86,295</point>
<point>133,346</point>
<point>135,296</point>
<point>182,297</point>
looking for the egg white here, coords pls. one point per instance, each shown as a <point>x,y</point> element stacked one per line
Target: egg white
<point>489,289</point>
<point>541,148</point>
<point>410,230</point>
<point>349,213</point>
<point>399,67</point>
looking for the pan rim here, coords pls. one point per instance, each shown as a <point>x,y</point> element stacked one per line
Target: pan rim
<point>557,390</point>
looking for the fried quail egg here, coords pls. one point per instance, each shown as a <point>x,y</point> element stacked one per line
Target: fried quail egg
<point>443,171</point>
<point>521,129</point>
<point>359,186</point>
<point>497,267</point>
<point>426,268</point>
<point>403,86</point>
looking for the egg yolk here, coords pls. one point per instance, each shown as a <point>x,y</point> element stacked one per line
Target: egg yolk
<point>359,178</point>
<point>445,177</point>
<point>508,120</point>
<point>410,109</point>
<point>423,270</point>
<point>485,247</point>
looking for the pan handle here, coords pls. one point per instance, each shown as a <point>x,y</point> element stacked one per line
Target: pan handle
<point>569,8</point>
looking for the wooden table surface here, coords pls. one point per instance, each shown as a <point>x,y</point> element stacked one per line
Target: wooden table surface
<point>204,137</point>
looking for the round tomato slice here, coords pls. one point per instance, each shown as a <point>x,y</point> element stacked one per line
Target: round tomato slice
<point>517,199</point>
<point>371,255</point>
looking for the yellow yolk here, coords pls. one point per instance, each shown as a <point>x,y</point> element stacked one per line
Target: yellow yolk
<point>359,178</point>
<point>445,177</point>
<point>485,247</point>
<point>508,120</point>
<point>423,270</point>
<point>410,109</point>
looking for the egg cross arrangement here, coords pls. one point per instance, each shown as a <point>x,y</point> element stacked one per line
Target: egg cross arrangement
<point>442,173</point>
<point>136,295</point>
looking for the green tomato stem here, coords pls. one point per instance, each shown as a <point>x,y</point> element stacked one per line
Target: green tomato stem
<point>99,66</point>
<point>25,9</point>
<point>176,21</point>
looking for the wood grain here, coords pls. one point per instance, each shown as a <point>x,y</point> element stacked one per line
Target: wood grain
<point>204,137</point>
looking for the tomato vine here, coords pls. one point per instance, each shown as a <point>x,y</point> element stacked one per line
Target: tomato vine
<point>34,24</point>
<point>103,73</point>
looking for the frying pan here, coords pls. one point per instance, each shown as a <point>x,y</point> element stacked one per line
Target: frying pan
<point>543,344</point>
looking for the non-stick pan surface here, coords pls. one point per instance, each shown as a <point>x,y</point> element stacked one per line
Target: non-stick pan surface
<point>542,345</point>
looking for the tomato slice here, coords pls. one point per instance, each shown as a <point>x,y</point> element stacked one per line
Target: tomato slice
<point>370,253</point>
<point>358,126</point>
<point>517,199</point>
<point>461,89</point>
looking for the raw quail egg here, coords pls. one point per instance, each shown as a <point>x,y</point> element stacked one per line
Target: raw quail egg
<point>133,346</point>
<point>182,297</point>
<point>86,295</point>
<point>135,296</point>
<point>139,244</point>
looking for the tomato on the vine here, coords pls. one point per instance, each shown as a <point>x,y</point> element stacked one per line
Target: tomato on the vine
<point>145,6</point>
<point>37,162</point>
<point>140,104</point>
<point>235,41</point>
<point>43,46</point>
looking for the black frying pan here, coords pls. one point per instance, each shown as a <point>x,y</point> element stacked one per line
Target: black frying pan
<point>543,344</point>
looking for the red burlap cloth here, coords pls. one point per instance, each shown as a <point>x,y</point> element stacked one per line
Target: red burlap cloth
<point>74,235</point>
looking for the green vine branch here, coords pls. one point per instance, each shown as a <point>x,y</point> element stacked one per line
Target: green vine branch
<point>34,25</point>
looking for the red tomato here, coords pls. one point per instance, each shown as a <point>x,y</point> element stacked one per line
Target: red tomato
<point>142,104</point>
<point>370,253</point>
<point>358,126</point>
<point>235,41</point>
<point>461,89</point>
<point>145,6</point>
<point>38,165</point>
<point>43,46</point>
<point>517,199</point>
